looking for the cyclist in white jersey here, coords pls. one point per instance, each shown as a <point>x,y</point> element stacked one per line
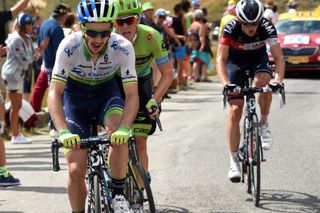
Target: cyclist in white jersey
<point>83,86</point>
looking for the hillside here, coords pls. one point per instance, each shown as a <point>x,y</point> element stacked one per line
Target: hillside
<point>215,7</point>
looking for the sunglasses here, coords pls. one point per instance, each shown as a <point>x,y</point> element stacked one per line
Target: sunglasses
<point>251,24</point>
<point>128,20</point>
<point>94,33</point>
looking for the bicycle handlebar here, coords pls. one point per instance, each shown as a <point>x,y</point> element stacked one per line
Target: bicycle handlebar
<point>84,144</point>
<point>252,90</point>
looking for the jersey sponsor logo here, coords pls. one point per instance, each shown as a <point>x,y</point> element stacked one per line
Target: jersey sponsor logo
<point>93,75</point>
<point>104,68</point>
<point>128,76</point>
<point>71,50</point>
<point>268,26</point>
<point>149,36</point>
<point>248,46</point>
<point>229,27</point>
<point>115,45</point>
<point>143,60</point>
<point>61,75</point>
<point>163,46</point>
<point>85,67</point>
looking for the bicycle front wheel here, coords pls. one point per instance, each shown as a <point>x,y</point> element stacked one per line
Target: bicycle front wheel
<point>97,202</point>
<point>255,162</point>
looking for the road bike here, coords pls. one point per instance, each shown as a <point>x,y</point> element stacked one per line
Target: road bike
<point>98,176</point>
<point>251,152</point>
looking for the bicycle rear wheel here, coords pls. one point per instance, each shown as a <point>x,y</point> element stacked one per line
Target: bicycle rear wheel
<point>255,162</point>
<point>97,202</point>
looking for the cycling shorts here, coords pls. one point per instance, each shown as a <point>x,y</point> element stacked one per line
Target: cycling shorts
<point>79,110</point>
<point>237,72</point>
<point>179,52</point>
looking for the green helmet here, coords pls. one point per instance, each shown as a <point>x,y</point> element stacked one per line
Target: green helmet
<point>127,7</point>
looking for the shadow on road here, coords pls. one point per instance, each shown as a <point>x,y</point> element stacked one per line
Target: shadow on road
<point>38,189</point>
<point>289,201</point>
<point>171,209</point>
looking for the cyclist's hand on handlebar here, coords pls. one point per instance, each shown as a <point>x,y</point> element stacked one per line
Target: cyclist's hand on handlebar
<point>121,136</point>
<point>275,86</point>
<point>231,89</point>
<point>68,139</point>
<point>153,108</point>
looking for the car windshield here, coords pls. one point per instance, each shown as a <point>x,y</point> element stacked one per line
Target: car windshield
<point>298,26</point>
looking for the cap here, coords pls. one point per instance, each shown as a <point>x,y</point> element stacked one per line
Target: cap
<point>162,12</point>
<point>195,2</point>
<point>61,9</point>
<point>23,19</point>
<point>147,6</point>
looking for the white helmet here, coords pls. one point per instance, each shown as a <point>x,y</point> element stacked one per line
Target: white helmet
<point>249,11</point>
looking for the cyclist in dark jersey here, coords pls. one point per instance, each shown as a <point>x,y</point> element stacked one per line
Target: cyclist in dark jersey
<point>243,47</point>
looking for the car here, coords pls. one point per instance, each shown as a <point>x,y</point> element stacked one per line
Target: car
<point>299,35</point>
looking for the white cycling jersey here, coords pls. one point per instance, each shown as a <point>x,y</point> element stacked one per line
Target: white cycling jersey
<point>74,67</point>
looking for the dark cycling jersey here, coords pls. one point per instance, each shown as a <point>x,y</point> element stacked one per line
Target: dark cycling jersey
<point>245,49</point>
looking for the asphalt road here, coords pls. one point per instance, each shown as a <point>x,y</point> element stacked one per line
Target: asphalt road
<point>189,160</point>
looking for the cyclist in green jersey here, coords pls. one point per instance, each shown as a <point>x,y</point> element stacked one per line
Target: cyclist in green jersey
<point>148,45</point>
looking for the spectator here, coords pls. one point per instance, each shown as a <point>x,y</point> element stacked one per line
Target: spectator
<point>200,47</point>
<point>229,14</point>
<point>69,24</point>
<point>268,12</point>
<point>52,29</point>
<point>292,6</point>
<point>179,51</point>
<point>186,6</point>
<point>6,179</point>
<point>147,14</point>
<point>5,17</point>
<point>20,55</point>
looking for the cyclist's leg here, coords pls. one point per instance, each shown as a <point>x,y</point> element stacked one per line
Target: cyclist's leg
<point>236,76</point>
<point>236,102</point>
<point>110,116</point>
<point>77,119</point>
<point>262,76</point>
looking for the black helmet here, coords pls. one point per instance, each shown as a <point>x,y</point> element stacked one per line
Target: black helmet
<point>249,11</point>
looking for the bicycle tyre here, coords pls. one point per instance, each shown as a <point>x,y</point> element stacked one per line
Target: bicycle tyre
<point>147,187</point>
<point>255,163</point>
<point>97,204</point>
<point>245,161</point>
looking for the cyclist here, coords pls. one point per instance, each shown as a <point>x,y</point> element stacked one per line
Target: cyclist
<point>148,45</point>
<point>243,47</point>
<point>83,86</point>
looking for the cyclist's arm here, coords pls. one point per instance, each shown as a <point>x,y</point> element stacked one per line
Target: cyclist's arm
<point>165,81</point>
<point>222,57</point>
<point>163,62</point>
<point>55,105</point>
<point>277,55</point>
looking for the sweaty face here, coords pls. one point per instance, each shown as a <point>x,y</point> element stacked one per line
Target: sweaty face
<point>126,25</point>
<point>97,35</point>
